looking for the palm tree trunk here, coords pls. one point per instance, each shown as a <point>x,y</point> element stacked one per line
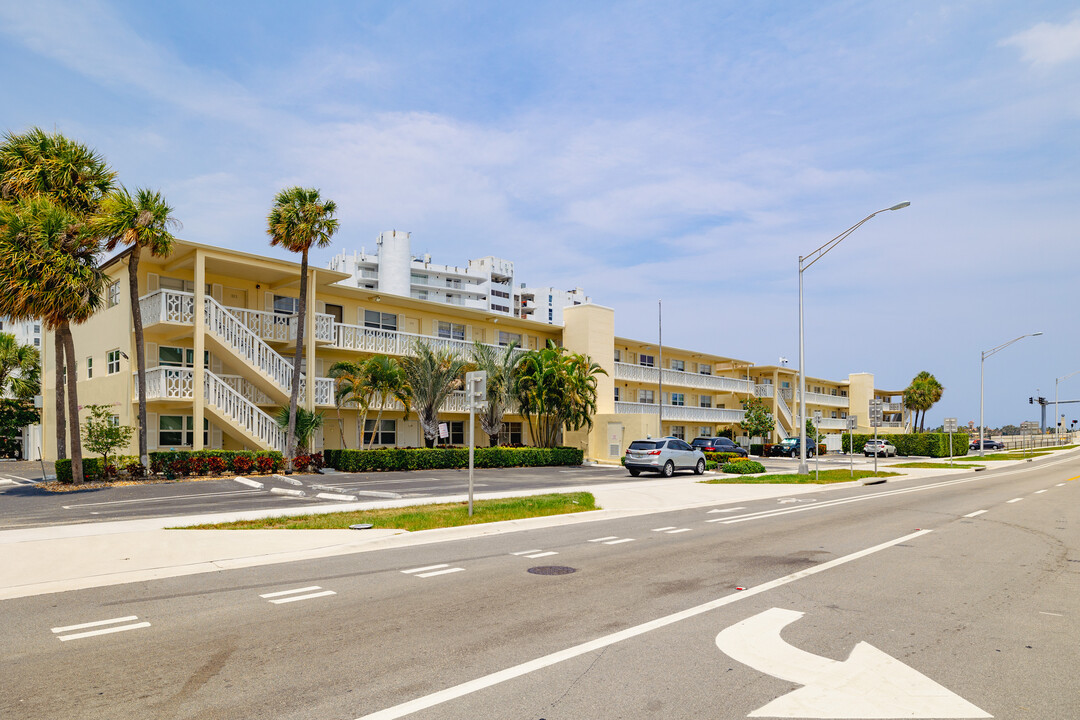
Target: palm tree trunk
<point>140,353</point>
<point>73,406</point>
<point>294,394</point>
<point>341,428</point>
<point>61,382</point>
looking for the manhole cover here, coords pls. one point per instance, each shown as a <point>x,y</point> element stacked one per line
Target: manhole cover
<point>552,570</point>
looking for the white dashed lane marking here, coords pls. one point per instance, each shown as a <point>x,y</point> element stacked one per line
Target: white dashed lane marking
<point>727,510</point>
<point>288,596</point>
<point>98,624</point>
<point>671,530</point>
<point>1014,500</point>
<point>973,514</point>
<point>1039,492</point>
<point>432,570</point>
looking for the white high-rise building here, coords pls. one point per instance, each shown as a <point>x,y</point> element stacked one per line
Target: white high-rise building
<point>26,332</point>
<point>485,283</point>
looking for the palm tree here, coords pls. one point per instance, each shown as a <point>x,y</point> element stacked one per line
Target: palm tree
<point>48,270</point>
<point>387,382</point>
<point>140,221</point>
<point>556,390</point>
<point>299,220</point>
<point>921,395</point>
<point>20,368</point>
<point>431,377</point>
<point>501,369</point>
<point>36,163</point>
<point>352,385</point>
<point>307,422</point>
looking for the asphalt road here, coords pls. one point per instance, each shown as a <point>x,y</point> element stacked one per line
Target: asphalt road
<point>964,587</point>
<point>22,504</point>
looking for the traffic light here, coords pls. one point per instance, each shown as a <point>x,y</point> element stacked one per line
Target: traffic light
<point>1031,401</point>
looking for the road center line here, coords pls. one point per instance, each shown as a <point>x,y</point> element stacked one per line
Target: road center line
<point>1039,492</point>
<point>467,688</point>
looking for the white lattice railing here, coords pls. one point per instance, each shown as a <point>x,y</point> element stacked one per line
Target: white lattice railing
<point>680,378</point>
<point>247,388</point>
<point>243,412</point>
<point>816,398</point>
<point>167,306</point>
<point>393,342</point>
<point>167,383</point>
<point>683,412</point>
<point>267,325</point>
<point>764,390</point>
<point>248,344</point>
<point>324,327</point>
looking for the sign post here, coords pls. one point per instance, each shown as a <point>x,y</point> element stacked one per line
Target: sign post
<point>817,431</point>
<point>950,427</point>
<point>876,414</point>
<point>852,426</point>
<point>476,394</point>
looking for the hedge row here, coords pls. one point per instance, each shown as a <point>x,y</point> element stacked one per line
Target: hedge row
<point>721,457</point>
<point>928,444</point>
<point>446,458</point>
<point>179,463</point>
<point>743,467</point>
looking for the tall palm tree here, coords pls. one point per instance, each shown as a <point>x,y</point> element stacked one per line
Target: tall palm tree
<point>352,386</point>
<point>299,220</point>
<point>75,177</point>
<point>48,270</point>
<point>501,369</point>
<point>140,221</point>
<point>388,383</point>
<point>20,368</point>
<point>431,377</point>
<point>556,390</point>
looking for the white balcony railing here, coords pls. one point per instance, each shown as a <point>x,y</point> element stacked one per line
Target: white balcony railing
<point>815,398</point>
<point>393,342</point>
<point>832,424</point>
<point>764,390</point>
<point>682,412</point>
<point>680,378</point>
<point>167,306</point>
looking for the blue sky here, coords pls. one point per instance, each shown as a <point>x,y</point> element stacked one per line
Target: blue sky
<point>685,151</point>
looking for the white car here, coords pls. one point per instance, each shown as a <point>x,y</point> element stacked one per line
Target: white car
<point>879,448</point>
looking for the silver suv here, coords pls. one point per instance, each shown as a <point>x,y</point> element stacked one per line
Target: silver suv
<point>664,456</point>
<point>878,447</point>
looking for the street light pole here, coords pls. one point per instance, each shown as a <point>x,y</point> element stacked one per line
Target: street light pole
<point>982,375</point>
<point>804,263</point>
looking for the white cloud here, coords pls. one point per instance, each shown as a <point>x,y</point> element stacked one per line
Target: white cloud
<point>1047,44</point>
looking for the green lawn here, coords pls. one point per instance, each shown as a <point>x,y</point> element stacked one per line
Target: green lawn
<point>934,465</point>
<point>1015,455</point>
<point>826,476</point>
<point>424,517</point>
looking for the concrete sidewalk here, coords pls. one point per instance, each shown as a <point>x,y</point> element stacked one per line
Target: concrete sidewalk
<point>44,560</point>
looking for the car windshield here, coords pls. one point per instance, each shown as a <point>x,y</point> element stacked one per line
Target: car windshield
<point>790,441</point>
<point>646,444</point>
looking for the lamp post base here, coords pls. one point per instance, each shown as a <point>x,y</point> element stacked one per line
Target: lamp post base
<point>804,469</point>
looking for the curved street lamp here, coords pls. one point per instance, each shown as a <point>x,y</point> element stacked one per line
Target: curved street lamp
<point>803,265</point>
<point>982,367</point>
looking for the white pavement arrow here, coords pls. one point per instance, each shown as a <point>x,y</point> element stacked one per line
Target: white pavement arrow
<point>869,684</point>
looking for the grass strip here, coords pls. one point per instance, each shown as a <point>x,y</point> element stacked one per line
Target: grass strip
<point>423,517</point>
<point>1009,456</point>
<point>826,476</point>
<point>934,465</point>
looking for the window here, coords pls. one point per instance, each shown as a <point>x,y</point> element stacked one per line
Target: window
<point>380,320</point>
<point>179,431</point>
<point>550,314</point>
<point>498,308</point>
<point>37,329</point>
<point>705,401</point>
<point>37,342</point>
<point>385,435</point>
<point>705,431</point>
<point>420,294</point>
<point>645,396</point>
<point>843,393</point>
<point>678,399</point>
<point>500,294</point>
<point>89,368</point>
<point>112,362</point>
<point>419,278</point>
<point>616,394</point>
<point>180,357</point>
<point>113,298</point>
<point>284,305</point>
<point>510,433</point>
<point>833,392</point>
<point>453,283</point>
<point>785,384</point>
<point>618,355</point>
<point>834,413</point>
<point>336,311</point>
<point>114,420</point>
<point>678,431</point>
<point>705,369</point>
<point>168,283</point>
<point>453,331</point>
<point>678,365</point>
<point>506,338</point>
<point>646,360</point>
<point>457,433</point>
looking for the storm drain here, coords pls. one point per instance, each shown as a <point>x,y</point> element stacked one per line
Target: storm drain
<point>552,570</point>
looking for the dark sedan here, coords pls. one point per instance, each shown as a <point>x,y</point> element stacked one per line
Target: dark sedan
<point>988,445</point>
<point>718,444</point>
<point>790,448</point>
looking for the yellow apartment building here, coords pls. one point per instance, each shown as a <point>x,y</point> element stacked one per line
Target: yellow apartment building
<point>239,350</point>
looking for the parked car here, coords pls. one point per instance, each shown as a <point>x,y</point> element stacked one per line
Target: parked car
<point>790,448</point>
<point>879,447</point>
<point>987,445</point>
<point>717,444</point>
<point>664,456</point>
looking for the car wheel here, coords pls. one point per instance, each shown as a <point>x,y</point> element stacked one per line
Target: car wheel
<point>794,454</point>
<point>635,473</point>
<point>700,467</point>
<point>669,469</point>
<point>866,454</point>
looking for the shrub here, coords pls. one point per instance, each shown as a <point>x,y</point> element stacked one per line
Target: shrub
<point>929,444</point>
<point>92,469</point>
<point>216,465</point>
<point>316,463</point>
<point>237,461</point>
<point>743,467</point>
<point>242,464</point>
<point>300,462</point>
<point>710,464</point>
<point>721,457</point>
<point>449,458</point>
<point>135,470</point>
<point>177,468</point>
<point>196,465</point>
<point>266,464</point>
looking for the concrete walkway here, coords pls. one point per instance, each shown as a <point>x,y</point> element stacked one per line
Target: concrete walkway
<point>44,560</point>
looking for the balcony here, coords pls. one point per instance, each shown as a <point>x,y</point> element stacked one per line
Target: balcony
<point>815,398</point>
<point>175,383</point>
<point>682,412</point>
<point>175,307</point>
<point>679,378</point>
<point>393,342</point>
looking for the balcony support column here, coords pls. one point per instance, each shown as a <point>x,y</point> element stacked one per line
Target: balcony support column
<point>309,350</point>
<point>199,367</point>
